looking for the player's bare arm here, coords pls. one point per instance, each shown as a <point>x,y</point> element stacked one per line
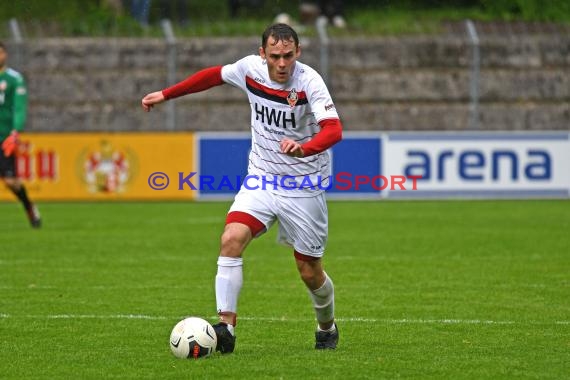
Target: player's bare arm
<point>151,99</point>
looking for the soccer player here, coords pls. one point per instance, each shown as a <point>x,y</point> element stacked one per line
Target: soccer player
<point>13,108</point>
<point>293,123</point>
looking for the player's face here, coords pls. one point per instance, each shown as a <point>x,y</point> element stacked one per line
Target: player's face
<point>280,58</point>
<point>3,56</point>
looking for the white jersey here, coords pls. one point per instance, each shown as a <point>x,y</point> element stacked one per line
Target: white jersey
<point>291,110</point>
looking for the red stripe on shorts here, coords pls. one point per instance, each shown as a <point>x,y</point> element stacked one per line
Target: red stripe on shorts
<point>302,257</point>
<point>255,226</point>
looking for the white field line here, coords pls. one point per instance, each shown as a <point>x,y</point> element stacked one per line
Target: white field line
<point>404,321</point>
<point>83,316</point>
<point>95,287</point>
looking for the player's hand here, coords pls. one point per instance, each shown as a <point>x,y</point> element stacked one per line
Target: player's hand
<point>291,148</point>
<point>10,143</point>
<point>151,99</point>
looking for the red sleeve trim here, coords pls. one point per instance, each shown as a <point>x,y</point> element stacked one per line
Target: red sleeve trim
<point>330,134</point>
<point>200,81</point>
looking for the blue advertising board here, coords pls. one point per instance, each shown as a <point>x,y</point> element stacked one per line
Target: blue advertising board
<point>414,165</point>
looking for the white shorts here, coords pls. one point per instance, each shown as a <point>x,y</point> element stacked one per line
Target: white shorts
<point>303,221</point>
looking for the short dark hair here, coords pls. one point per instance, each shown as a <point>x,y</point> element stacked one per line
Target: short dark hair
<point>280,32</point>
<point>2,46</point>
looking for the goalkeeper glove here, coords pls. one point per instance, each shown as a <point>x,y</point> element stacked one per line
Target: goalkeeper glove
<point>10,143</point>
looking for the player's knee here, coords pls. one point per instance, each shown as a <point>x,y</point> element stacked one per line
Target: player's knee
<point>12,183</point>
<point>233,241</point>
<point>307,276</point>
<point>312,275</point>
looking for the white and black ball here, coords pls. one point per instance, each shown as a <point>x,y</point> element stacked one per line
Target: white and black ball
<point>193,338</point>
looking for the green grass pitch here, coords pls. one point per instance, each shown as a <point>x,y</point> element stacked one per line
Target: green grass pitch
<point>448,289</point>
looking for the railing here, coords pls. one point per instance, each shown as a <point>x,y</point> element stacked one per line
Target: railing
<point>171,67</point>
<point>474,77</point>
<point>474,33</point>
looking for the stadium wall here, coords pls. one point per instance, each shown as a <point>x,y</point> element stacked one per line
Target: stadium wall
<point>379,84</point>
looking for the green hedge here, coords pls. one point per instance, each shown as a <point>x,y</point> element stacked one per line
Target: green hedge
<point>528,10</point>
<point>537,10</point>
<point>91,18</point>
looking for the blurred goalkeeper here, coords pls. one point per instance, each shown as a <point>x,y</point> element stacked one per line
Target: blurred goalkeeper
<point>293,122</point>
<point>13,108</point>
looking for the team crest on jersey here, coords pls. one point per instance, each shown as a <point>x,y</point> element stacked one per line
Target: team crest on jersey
<point>292,98</point>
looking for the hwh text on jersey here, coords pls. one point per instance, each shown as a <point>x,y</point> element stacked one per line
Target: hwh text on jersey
<point>271,116</point>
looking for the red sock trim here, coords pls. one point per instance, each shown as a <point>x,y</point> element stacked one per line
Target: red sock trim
<point>302,257</point>
<point>255,226</point>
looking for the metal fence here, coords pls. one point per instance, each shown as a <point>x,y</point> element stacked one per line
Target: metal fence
<point>474,32</point>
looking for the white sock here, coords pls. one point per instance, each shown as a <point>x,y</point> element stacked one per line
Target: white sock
<point>323,301</point>
<point>332,329</point>
<point>228,283</point>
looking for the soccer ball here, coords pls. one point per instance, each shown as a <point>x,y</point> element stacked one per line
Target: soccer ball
<point>193,337</point>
